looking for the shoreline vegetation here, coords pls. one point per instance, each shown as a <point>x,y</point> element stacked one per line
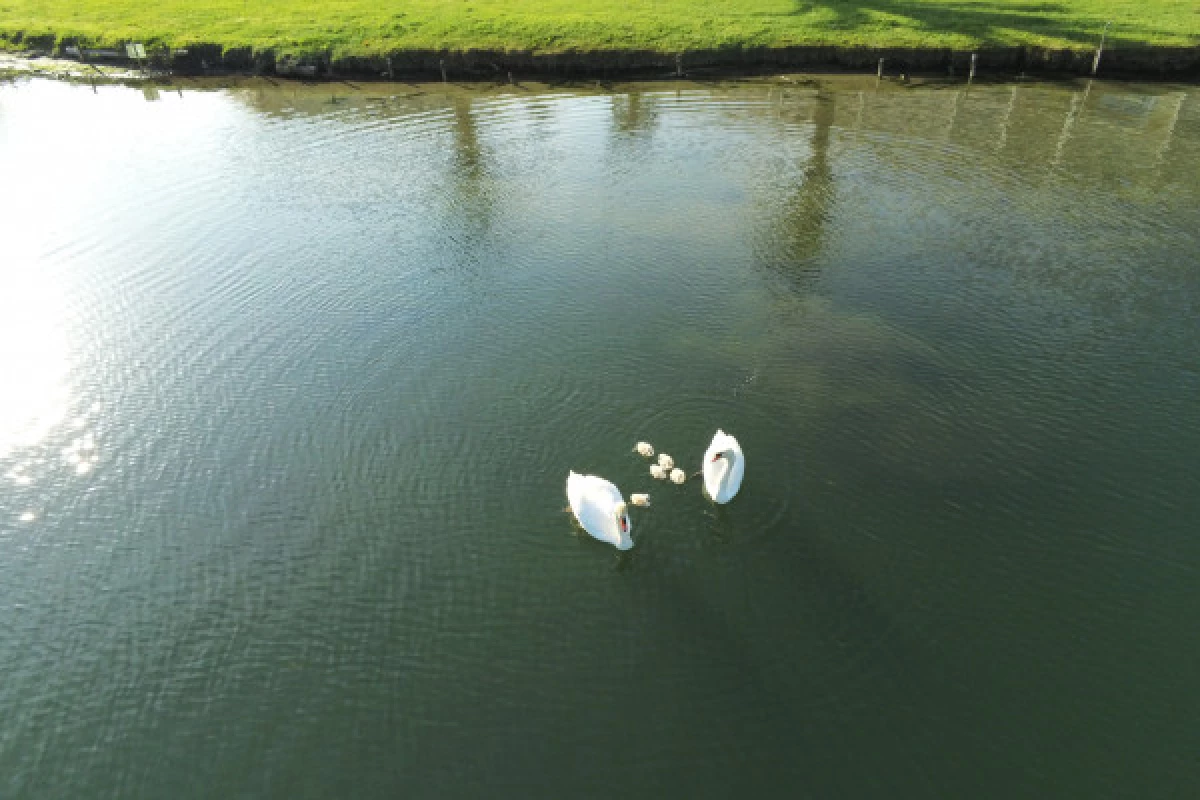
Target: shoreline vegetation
<point>492,39</point>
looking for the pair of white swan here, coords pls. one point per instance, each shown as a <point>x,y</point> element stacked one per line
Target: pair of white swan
<point>601,510</point>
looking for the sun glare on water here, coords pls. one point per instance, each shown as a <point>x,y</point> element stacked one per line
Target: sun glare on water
<point>34,359</point>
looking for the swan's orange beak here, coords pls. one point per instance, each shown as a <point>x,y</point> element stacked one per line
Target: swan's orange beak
<point>624,525</point>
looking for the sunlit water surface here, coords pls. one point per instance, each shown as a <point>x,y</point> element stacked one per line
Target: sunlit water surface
<point>291,380</point>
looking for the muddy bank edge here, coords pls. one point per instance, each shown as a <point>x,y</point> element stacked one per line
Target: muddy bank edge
<point>1147,62</point>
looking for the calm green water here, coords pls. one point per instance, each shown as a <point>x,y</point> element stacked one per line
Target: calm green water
<point>291,380</point>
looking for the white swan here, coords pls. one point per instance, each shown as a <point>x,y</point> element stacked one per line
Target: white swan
<point>657,472</point>
<point>642,500</point>
<point>644,449</point>
<point>665,461</point>
<point>724,467</point>
<point>600,509</point>
<point>678,475</point>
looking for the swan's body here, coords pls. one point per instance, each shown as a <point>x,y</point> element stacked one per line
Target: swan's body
<point>724,467</point>
<point>665,461</point>
<point>600,509</point>
<point>657,472</point>
<point>644,449</point>
<point>678,475</point>
<point>640,500</point>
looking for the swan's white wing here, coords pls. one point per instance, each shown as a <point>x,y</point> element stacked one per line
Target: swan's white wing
<point>712,471</point>
<point>732,481</point>
<point>722,441</point>
<point>576,485</point>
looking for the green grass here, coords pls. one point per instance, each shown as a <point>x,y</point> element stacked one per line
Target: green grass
<point>371,27</point>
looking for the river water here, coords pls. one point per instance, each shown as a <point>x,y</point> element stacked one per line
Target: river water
<point>291,378</point>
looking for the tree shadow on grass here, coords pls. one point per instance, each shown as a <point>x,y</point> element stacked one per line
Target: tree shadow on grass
<point>992,23</point>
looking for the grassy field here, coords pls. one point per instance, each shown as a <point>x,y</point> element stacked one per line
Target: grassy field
<point>372,27</point>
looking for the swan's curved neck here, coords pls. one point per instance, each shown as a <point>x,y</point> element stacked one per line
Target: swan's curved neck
<point>726,465</point>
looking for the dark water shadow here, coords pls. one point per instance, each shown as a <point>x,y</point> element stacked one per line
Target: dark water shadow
<point>634,114</point>
<point>471,191</point>
<point>766,639</point>
<point>806,210</point>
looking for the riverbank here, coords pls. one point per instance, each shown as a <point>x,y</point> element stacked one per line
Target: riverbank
<point>208,59</point>
<point>490,38</point>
